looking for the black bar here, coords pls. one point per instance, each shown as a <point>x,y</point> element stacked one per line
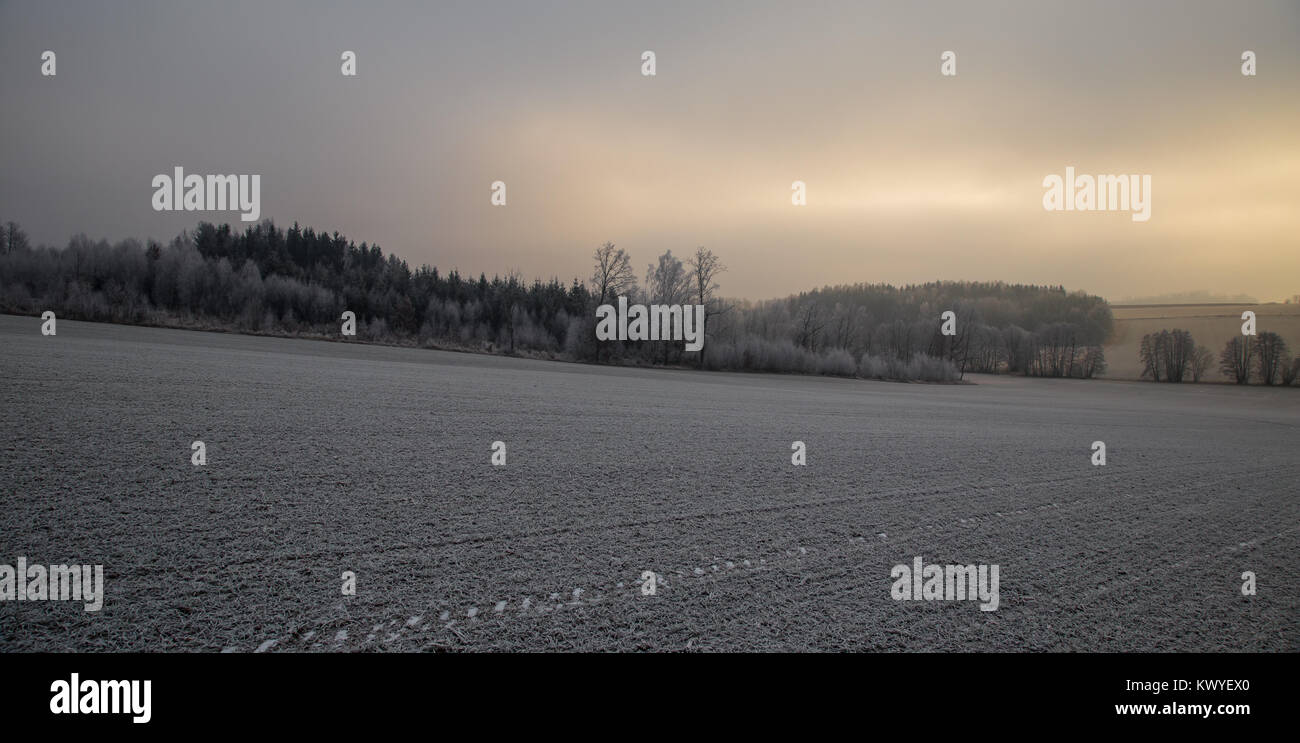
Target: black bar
<point>439,693</point>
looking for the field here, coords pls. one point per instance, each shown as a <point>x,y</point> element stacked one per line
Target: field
<point>1211,325</point>
<point>331,457</point>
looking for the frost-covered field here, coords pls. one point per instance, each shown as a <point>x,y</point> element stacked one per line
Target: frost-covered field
<point>326,457</point>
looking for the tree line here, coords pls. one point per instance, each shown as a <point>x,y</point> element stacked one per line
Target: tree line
<point>999,328</point>
<point>1172,355</point>
<point>297,281</point>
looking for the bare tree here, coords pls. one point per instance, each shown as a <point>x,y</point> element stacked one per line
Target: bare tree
<point>899,335</point>
<point>1018,346</point>
<point>959,347</point>
<point>1270,355</point>
<point>1169,353</point>
<point>1202,357</point>
<point>1236,359</point>
<point>1055,350</point>
<point>1150,353</point>
<point>1178,354</point>
<point>612,277</point>
<point>1093,363</point>
<point>809,325</point>
<point>705,268</point>
<point>1290,370</point>
<point>613,274</point>
<point>1158,355</point>
<point>842,327</point>
<point>986,350</point>
<point>13,238</point>
<point>667,282</point>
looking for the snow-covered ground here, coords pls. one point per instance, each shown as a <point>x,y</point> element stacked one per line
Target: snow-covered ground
<point>331,457</point>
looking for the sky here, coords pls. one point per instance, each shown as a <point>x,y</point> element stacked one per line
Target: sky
<point>910,175</point>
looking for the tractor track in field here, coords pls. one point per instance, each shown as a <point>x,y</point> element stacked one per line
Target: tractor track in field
<point>829,569</point>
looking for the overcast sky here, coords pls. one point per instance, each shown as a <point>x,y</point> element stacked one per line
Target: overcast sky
<point>911,176</point>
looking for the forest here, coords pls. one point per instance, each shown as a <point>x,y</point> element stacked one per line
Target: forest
<point>297,282</point>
